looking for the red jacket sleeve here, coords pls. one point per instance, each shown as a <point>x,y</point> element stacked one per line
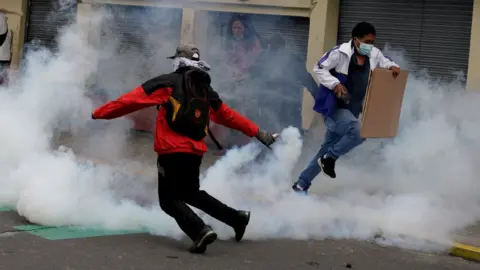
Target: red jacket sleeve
<point>134,100</point>
<point>230,118</point>
<point>155,91</point>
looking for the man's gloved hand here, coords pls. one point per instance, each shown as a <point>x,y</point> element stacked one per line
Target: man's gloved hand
<point>266,138</point>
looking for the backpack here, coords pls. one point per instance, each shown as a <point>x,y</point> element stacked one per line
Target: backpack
<point>188,109</point>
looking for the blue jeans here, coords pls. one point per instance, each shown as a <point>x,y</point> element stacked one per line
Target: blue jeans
<point>342,135</point>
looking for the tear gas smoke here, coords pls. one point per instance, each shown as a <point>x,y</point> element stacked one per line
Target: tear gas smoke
<point>422,184</point>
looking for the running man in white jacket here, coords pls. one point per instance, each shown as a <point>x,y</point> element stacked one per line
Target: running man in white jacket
<point>343,74</point>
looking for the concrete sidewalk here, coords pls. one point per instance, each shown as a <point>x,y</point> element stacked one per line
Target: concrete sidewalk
<point>468,244</point>
<point>470,236</point>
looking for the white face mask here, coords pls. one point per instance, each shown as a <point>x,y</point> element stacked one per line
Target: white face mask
<point>364,49</point>
<point>182,62</point>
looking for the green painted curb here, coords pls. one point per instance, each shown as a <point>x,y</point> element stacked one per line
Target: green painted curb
<point>72,232</point>
<point>68,232</point>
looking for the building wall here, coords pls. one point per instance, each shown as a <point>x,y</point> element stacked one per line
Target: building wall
<point>16,23</point>
<point>473,82</point>
<point>323,27</point>
<point>284,7</point>
<point>323,36</point>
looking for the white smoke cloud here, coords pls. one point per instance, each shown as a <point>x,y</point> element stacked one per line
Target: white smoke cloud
<point>422,184</point>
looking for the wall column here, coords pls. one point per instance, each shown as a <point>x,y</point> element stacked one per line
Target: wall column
<point>201,31</point>
<point>473,77</point>
<point>16,23</point>
<point>188,18</point>
<point>322,37</point>
<point>90,24</point>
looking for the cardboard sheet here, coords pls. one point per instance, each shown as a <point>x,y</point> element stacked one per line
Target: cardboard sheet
<point>383,103</point>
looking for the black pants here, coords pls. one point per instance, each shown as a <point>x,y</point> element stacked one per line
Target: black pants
<point>179,185</point>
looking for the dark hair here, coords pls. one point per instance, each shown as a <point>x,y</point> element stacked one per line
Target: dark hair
<point>249,35</point>
<point>362,29</point>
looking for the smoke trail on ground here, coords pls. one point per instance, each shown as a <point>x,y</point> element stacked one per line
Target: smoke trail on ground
<point>421,184</point>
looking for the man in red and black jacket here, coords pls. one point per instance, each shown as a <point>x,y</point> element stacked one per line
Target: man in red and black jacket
<point>180,157</point>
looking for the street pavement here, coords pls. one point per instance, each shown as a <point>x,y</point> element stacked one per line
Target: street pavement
<point>21,250</point>
<point>470,236</point>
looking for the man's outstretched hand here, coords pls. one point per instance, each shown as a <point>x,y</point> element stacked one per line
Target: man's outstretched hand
<point>266,138</point>
<point>396,71</point>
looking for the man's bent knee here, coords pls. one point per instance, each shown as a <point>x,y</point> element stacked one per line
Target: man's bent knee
<point>167,205</point>
<point>353,129</point>
<point>354,133</point>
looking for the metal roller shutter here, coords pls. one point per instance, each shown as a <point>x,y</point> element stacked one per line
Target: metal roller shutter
<point>434,33</point>
<point>293,29</point>
<point>134,45</point>
<point>446,35</point>
<point>135,42</point>
<point>389,19</point>
<point>246,97</point>
<point>45,18</point>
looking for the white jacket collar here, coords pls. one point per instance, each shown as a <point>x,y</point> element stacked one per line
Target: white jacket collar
<point>179,62</point>
<point>347,48</point>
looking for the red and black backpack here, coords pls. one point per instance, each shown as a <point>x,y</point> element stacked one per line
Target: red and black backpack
<point>188,108</point>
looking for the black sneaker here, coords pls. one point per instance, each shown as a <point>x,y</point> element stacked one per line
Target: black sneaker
<point>328,166</point>
<point>207,236</point>
<point>240,229</point>
<point>297,188</point>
